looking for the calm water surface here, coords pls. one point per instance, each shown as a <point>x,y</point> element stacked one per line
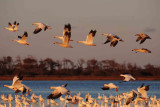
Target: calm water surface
<point>92,87</point>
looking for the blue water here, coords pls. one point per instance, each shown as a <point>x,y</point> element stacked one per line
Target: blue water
<point>92,87</point>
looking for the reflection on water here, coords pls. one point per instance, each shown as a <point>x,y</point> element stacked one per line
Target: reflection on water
<point>91,87</point>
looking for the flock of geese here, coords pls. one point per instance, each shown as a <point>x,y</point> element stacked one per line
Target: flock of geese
<point>134,98</point>
<point>66,36</point>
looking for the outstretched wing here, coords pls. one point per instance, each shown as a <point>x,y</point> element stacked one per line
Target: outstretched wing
<point>91,36</point>
<point>66,38</point>
<point>37,30</point>
<point>114,43</point>
<point>17,79</point>
<point>24,37</point>
<point>138,38</point>
<point>142,40</point>
<point>10,25</point>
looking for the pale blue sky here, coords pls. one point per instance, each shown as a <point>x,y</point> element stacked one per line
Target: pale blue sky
<point>122,17</point>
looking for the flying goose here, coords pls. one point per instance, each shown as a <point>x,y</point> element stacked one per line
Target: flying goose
<point>65,42</point>
<point>67,28</point>
<point>127,77</point>
<point>143,91</point>
<point>22,39</point>
<point>110,86</point>
<point>59,91</point>
<point>143,50</point>
<point>12,27</point>
<point>17,86</point>
<point>112,38</point>
<point>40,26</point>
<point>142,37</point>
<point>89,39</point>
<point>131,98</point>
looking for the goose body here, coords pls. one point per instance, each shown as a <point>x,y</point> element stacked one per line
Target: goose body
<point>110,86</point>
<point>127,77</point>
<point>40,26</point>
<point>89,39</point>
<point>22,39</point>
<point>12,27</point>
<point>142,37</point>
<point>59,91</point>
<point>143,50</point>
<point>65,42</point>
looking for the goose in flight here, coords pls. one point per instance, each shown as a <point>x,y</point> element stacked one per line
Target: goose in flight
<point>12,27</point>
<point>110,86</point>
<point>127,77</point>
<point>17,86</point>
<point>143,91</point>
<point>143,50</point>
<point>22,39</point>
<point>40,26</point>
<point>58,91</point>
<point>112,38</point>
<point>67,28</point>
<point>65,42</point>
<point>89,39</point>
<point>131,97</point>
<point>142,37</point>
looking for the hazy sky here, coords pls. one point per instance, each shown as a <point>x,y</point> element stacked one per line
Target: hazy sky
<point>122,17</point>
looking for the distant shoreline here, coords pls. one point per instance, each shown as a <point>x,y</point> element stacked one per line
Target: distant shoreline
<point>76,78</point>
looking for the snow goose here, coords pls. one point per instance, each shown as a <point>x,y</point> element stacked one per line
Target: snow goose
<point>17,86</point>
<point>90,38</point>
<point>143,91</point>
<point>12,27</point>
<point>142,37</point>
<point>112,38</point>
<point>127,77</point>
<point>53,102</point>
<point>22,39</point>
<point>110,86</point>
<point>132,96</point>
<point>59,91</point>
<point>41,99</point>
<point>143,50</point>
<point>40,26</point>
<point>65,42</point>
<point>67,28</point>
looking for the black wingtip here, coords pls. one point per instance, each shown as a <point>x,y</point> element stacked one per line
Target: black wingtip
<point>26,34</point>
<point>15,22</point>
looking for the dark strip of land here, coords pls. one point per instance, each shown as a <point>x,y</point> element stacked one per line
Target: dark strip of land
<point>77,78</point>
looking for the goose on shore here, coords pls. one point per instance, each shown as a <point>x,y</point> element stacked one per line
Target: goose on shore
<point>65,42</point>
<point>110,86</point>
<point>40,26</point>
<point>17,86</point>
<point>22,39</point>
<point>89,39</point>
<point>127,77</point>
<point>112,38</point>
<point>143,50</point>
<point>67,28</point>
<point>12,27</point>
<point>58,91</point>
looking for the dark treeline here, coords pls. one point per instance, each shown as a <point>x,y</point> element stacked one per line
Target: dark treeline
<point>32,67</point>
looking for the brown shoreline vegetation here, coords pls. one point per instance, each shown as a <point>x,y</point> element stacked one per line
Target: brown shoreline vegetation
<point>47,78</point>
<point>66,69</point>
